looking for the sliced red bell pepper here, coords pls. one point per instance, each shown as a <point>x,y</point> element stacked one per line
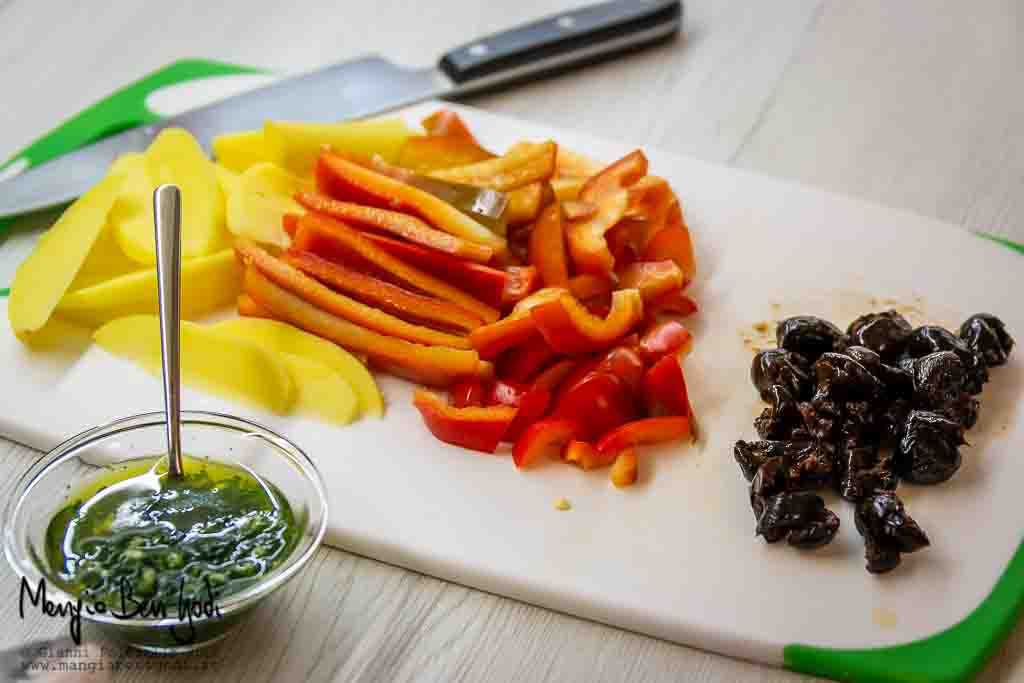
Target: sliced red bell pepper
<point>664,338</point>
<point>514,329</point>
<point>673,242</point>
<point>522,363</point>
<point>547,247</point>
<point>531,401</point>
<point>618,175</point>
<point>598,402</point>
<point>640,432</point>
<point>479,429</point>
<point>590,285</point>
<point>541,437</point>
<point>654,279</point>
<point>569,327</point>
<point>520,282</point>
<point>664,389</point>
<point>580,453</point>
<point>624,363</point>
<point>673,303</point>
<point>471,393</point>
<point>552,378</point>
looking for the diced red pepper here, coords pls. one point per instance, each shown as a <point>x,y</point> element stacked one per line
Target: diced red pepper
<point>624,363</point>
<point>468,394</point>
<point>541,437</point>
<point>479,429</point>
<point>673,242</point>
<point>640,432</point>
<point>522,363</point>
<point>570,328</point>
<point>665,338</point>
<point>664,389</point>
<point>531,401</point>
<point>598,402</point>
<point>674,303</point>
<point>552,378</point>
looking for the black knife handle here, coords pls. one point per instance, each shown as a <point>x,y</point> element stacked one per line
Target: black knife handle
<point>563,40</point>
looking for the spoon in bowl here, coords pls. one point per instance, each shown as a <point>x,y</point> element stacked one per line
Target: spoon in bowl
<point>167,214</point>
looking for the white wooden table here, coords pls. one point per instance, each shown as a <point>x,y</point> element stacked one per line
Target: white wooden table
<point>916,104</point>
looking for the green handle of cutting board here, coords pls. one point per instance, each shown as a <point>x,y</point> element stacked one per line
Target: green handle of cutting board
<point>126,108</point>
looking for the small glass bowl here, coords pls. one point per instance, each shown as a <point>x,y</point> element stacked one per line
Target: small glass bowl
<point>45,488</point>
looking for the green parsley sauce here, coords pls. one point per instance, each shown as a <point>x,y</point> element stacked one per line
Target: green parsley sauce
<point>218,529</point>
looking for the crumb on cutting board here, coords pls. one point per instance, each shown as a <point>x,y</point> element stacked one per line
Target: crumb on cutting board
<point>562,504</point>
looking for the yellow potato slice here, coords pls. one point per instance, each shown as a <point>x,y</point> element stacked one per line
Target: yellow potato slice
<point>280,337</point>
<point>320,392</point>
<point>43,278</point>
<point>239,151</point>
<point>207,284</point>
<point>239,371</point>
<point>174,157</point>
<point>259,198</point>
<point>296,146</point>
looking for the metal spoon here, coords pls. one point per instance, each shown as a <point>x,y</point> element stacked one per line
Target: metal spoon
<point>167,212</point>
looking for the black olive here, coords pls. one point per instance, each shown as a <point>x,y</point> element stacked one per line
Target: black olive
<point>888,531</point>
<point>898,382</point>
<point>840,377</point>
<point>802,515</point>
<point>807,335</point>
<point>785,368</point>
<point>928,451</point>
<point>781,417</point>
<point>938,380</point>
<point>931,338</point>
<point>884,333</point>
<point>986,335</point>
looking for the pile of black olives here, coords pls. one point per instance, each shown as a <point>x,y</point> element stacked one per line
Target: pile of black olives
<point>857,412</point>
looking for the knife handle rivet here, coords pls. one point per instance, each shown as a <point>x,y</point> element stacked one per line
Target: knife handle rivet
<point>478,50</point>
<point>566,22</point>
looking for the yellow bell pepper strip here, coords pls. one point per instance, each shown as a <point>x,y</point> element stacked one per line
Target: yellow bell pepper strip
<point>525,163</point>
<point>399,224</point>
<point>568,327</point>
<point>475,428</point>
<point>338,304</point>
<point>431,365</point>
<point>348,181</point>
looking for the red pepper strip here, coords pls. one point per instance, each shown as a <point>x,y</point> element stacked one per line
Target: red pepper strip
<point>665,338</point>
<point>547,247</point>
<point>598,402</point>
<point>486,283</point>
<point>653,278</point>
<point>290,223</point>
<point>624,363</point>
<point>532,403</point>
<point>673,242</point>
<point>514,329</point>
<point>553,377</point>
<point>640,432</point>
<point>588,286</point>
<point>664,389</point>
<point>479,429</point>
<point>520,282</point>
<point>675,303</point>
<point>467,394</point>
<point>522,363</point>
<point>580,453</point>
<point>542,436</point>
<point>568,327</point>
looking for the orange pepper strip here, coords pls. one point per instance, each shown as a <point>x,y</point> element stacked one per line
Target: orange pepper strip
<point>586,239</point>
<point>401,224</point>
<point>433,365</point>
<point>311,290</point>
<point>475,428</point>
<point>352,240</point>
<point>343,179</point>
<point>541,437</point>
<point>524,203</point>
<point>653,278</point>
<point>516,328</point>
<point>639,432</point>
<point>248,307</point>
<point>588,286</point>
<point>521,165</point>
<point>673,242</point>
<point>580,453</point>
<point>618,175</point>
<point>400,302</point>
<point>547,248</point>
<point>447,123</point>
<point>568,327</point>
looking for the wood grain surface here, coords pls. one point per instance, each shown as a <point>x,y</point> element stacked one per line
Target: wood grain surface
<point>916,104</point>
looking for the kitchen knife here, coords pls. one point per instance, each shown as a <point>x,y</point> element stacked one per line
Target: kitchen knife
<point>369,85</point>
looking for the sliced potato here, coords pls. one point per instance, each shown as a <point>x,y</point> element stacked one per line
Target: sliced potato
<point>320,392</point>
<point>207,283</point>
<point>174,157</point>
<point>280,337</point>
<point>239,151</point>
<point>296,146</point>
<point>259,199</point>
<point>239,371</point>
<point>43,278</point>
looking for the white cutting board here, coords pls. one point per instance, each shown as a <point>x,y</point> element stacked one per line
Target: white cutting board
<point>674,556</point>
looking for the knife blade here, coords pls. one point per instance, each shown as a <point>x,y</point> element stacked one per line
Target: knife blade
<point>367,86</point>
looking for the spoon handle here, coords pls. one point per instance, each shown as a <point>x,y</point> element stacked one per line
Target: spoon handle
<point>167,211</point>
